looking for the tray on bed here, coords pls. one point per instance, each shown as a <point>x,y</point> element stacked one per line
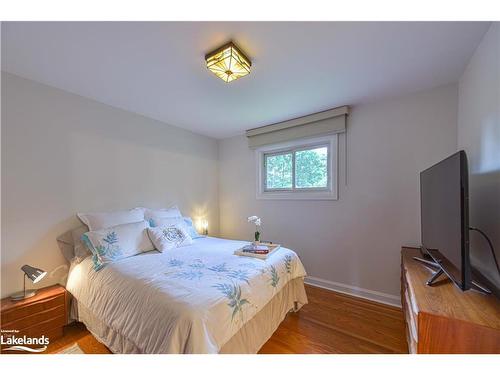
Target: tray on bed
<point>272,248</point>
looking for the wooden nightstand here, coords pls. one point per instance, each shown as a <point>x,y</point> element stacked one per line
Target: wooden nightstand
<point>43,314</point>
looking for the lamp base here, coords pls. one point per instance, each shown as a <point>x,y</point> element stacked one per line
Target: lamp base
<point>22,295</point>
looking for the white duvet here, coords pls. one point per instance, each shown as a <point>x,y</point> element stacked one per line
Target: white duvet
<point>192,299</point>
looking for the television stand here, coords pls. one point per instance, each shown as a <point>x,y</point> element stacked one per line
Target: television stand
<point>445,320</point>
<point>440,271</point>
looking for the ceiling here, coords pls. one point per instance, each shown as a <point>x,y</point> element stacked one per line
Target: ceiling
<point>157,68</point>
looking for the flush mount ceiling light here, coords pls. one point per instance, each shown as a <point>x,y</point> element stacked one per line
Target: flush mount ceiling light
<point>228,62</point>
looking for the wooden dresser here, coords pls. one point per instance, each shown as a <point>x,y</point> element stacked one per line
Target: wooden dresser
<point>43,314</point>
<point>442,318</point>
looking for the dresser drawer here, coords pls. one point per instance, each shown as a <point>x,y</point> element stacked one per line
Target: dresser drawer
<point>410,318</point>
<point>27,310</point>
<point>37,318</point>
<point>44,328</point>
<point>51,328</point>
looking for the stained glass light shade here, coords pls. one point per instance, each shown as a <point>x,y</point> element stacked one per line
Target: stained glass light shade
<point>228,63</point>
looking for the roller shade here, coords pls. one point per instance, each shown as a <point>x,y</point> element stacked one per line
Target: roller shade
<point>318,124</point>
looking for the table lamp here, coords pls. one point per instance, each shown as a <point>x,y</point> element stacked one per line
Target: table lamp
<point>204,226</point>
<point>35,275</point>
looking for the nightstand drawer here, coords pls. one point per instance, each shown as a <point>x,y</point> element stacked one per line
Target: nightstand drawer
<point>37,318</point>
<point>43,314</point>
<point>27,310</point>
<point>51,328</point>
<point>45,328</point>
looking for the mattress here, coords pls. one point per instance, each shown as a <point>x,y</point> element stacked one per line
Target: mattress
<point>195,299</point>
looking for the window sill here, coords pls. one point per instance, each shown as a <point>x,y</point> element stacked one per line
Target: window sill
<point>309,195</point>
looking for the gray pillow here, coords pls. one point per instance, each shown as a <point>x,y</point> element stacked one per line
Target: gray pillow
<point>71,245</point>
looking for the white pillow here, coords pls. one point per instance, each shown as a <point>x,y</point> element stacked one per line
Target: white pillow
<point>189,226</point>
<point>71,245</point>
<point>168,237</point>
<point>80,249</point>
<point>152,215</point>
<point>161,222</point>
<point>118,242</point>
<point>101,220</point>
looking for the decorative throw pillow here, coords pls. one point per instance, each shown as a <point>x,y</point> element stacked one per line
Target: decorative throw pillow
<point>186,221</point>
<point>191,229</point>
<point>101,220</point>
<point>162,221</point>
<point>170,236</point>
<point>118,242</point>
<point>152,216</point>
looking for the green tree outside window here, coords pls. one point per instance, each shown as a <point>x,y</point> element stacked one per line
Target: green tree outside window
<point>311,169</point>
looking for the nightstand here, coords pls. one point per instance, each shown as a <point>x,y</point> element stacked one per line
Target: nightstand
<point>43,314</point>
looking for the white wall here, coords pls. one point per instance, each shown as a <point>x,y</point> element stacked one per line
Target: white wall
<point>356,240</point>
<point>479,136</point>
<point>62,153</point>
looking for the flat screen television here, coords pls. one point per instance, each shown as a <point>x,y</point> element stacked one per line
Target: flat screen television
<point>445,217</point>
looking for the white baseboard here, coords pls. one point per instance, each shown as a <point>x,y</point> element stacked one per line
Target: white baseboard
<point>356,291</point>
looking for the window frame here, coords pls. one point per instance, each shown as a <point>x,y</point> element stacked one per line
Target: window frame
<point>327,193</point>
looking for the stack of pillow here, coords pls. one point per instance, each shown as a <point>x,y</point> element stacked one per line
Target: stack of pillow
<point>120,234</point>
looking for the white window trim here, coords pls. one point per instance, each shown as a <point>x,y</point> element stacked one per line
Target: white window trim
<point>329,193</point>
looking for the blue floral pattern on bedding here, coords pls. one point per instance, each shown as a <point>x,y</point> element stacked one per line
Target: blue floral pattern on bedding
<point>275,279</point>
<point>111,251</point>
<point>175,263</point>
<point>241,275</point>
<point>189,275</point>
<point>288,263</point>
<point>230,279</point>
<point>232,293</point>
<point>219,268</point>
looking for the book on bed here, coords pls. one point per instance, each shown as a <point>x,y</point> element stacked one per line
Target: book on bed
<point>257,251</point>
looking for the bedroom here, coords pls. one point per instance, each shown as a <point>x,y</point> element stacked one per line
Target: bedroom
<point>269,202</point>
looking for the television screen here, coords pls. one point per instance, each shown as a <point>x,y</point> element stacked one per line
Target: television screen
<point>444,216</point>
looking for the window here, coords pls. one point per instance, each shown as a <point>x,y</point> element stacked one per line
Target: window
<point>305,168</point>
<point>298,170</point>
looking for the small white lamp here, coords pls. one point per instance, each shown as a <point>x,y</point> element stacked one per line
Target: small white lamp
<point>35,275</point>
<point>204,226</point>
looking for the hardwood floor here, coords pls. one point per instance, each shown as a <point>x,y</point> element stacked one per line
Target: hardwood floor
<point>77,332</point>
<point>330,323</point>
<point>338,323</point>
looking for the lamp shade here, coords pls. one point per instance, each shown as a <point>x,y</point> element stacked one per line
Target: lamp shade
<point>228,62</point>
<point>34,274</point>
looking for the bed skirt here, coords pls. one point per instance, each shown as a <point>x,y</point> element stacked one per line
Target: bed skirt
<point>248,340</point>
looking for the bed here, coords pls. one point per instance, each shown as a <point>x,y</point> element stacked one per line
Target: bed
<point>199,298</point>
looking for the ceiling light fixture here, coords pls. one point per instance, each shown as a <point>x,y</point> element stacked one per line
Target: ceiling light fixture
<point>228,62</point>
